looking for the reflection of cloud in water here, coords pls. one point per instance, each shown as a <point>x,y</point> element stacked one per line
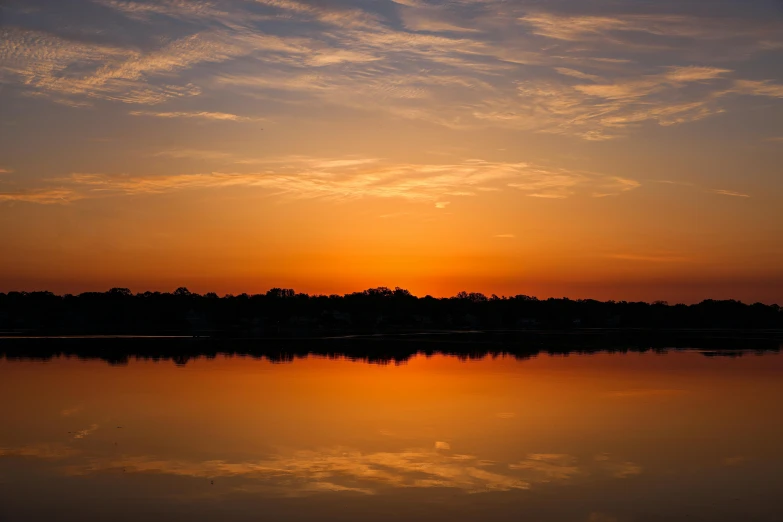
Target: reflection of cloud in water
<point>341,469</point>
<point>550,467</point>
<point>84,433</point>
<point>333,470</point>
<point>347,470</point>
<point>557,467</point>
<point>644,393</point>
<point>734,461</point>
<point>625,469</point>
<point>600,517</point>
<point>67,412</point>
<point>617,469</point>
<point>41,451</point>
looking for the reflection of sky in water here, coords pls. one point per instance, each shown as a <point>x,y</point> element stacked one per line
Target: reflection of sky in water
<point>597,439</point>
<point>346,469</point>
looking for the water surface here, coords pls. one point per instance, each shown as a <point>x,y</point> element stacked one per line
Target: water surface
<point>590,438</point>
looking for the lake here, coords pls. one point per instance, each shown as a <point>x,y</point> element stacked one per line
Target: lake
<point>602,437</point>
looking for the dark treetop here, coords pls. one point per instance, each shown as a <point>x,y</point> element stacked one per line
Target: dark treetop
<point>284,313</point>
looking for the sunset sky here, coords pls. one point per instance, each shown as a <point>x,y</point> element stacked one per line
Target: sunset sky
<point>612,149</point>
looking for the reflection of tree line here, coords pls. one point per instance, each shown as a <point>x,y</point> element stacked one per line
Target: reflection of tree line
<point>389,349</point>
<point>282,312</point>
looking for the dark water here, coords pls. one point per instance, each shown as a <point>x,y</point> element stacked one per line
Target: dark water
<point>584,438</point>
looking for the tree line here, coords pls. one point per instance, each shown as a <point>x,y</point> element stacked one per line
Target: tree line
<point>284,312</point>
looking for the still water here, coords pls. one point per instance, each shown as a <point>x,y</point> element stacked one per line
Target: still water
<point>583,438</point>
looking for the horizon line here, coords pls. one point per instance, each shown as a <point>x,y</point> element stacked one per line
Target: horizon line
<point>378,291</point>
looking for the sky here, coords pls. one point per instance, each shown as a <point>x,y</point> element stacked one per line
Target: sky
<point>612,149</point>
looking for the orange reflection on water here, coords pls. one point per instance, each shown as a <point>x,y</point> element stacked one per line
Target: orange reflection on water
<point>318,426</point>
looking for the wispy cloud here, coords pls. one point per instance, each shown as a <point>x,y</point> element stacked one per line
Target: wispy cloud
<point>565,71</point>
<point>723,192</point>
<point>340,178</point>
<point>757,88</point>
<point>601,110</point>
<point>178,9</point>
<point>216,116</point>
<point>638,87</point>
<point>614,186</point>
<point>457,65</point>
<point>433,19</point>
<point>44,62</point>
<point>505,236</point>
<point>42,196</point>
<point>311,178</point>
<point>673,182</point>
<point>650,258</point>
<point>663,31</point>
<point>199,154</point>
<point>580,28</point>
<point>562,183</point>
<point>326,13</point>
<point>6,171</point>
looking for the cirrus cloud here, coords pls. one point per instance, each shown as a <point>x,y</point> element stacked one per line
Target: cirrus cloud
<point>347,178</point>
<point>732,193</point>
<point>341,179</point>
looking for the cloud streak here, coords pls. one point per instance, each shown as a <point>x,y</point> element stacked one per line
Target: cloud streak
<point>342,179</point>
<point>462,65</point>
<point>42,196</point>
<point>178,9</point>
<point>43,62</point>
<point>202,115</point>
<point>731,193</point>
<point>627,31</point>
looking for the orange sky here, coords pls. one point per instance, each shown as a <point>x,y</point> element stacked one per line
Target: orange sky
<point>515,148</point>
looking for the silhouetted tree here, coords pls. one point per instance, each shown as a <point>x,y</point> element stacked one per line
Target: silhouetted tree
<point>284,312</point>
